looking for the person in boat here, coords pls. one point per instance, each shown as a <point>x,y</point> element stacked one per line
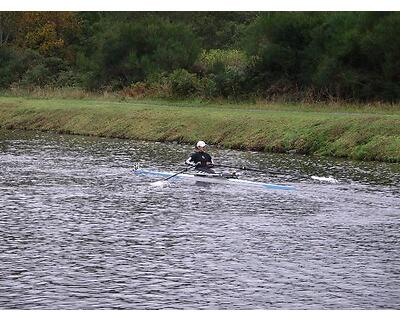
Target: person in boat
<point>201,159</point>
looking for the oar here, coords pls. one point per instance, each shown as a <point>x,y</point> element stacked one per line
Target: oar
<point>161,182</point>
<point>324,179</point>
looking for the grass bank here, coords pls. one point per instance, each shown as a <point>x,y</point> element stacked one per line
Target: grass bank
<point>356,132</point>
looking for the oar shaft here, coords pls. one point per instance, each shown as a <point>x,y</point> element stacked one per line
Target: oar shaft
<point>182,171</point>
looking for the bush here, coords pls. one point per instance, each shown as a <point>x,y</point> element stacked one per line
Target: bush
<point>183,83</point>
<point>37,76</point>
<point>208,87</point>
<point>29,69</point>
<point>14,62</point>
<point>213,60</point>
<point>68,78</point>
<point>226,72</point>
<point>52,72</point>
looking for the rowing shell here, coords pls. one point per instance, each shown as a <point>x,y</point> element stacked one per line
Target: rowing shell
<point>213,178</point>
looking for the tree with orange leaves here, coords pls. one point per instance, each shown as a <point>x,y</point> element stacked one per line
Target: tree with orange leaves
<point>50,33</point>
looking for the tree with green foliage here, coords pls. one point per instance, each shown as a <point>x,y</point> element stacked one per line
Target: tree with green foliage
<point>128,52</point>
<point>8,27</point>
<point>279,42</point>
<point>346,55</point>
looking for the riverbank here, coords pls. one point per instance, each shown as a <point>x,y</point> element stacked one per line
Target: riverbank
<point>356,132</point>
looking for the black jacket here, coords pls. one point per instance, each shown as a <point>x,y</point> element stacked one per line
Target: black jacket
<point>202,159</point>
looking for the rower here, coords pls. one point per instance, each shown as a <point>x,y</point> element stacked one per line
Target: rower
<point>201,159</point>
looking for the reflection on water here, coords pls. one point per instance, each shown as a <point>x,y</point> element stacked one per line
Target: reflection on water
<point>79,231</point>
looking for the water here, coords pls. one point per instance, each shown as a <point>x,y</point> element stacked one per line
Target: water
<point>78,230</point>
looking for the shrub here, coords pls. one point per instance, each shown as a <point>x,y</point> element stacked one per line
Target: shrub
<point>68,78</point>
<point>39,75</point>
<point>183,83</point>
<point>14,62</point>
<point>208,87</point>
<point>214,60</point>
<point>226,72</point>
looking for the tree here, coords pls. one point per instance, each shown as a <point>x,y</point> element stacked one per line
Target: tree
<point>279,42</point>
<point>8,27</point>
<point>50,33</point>
<point>131,51</point>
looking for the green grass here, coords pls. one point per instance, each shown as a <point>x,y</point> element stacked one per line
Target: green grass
<point>356,132</point>
<point>71,94</point>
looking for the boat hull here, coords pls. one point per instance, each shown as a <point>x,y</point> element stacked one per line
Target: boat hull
<point>212,179</point>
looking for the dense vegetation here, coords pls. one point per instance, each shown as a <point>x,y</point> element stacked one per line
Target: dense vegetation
<point>293,56</point>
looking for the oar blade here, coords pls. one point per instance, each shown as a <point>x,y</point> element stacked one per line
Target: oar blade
<point>160,183</point>
<point>325,179</point>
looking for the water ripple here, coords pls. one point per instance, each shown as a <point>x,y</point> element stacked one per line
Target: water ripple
<point>79,231</point>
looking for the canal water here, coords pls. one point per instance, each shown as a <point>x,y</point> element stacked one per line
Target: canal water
<point>79,230</point>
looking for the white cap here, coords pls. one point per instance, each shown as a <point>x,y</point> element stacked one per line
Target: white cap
<point>201,144</point>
